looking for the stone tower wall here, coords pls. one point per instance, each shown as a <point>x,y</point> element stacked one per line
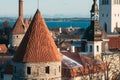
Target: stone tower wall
<point>16,39</point>
<point>38,71</point>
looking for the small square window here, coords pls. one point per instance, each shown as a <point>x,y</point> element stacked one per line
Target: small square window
<point>28,70</point>
<point>47,69</point>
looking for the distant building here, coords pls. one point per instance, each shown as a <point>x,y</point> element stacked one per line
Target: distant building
<point>94,39</point>
<point>109,15</point>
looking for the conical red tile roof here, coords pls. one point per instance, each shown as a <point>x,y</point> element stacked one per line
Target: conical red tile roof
<point>18,27</point>
<point>37,44</point>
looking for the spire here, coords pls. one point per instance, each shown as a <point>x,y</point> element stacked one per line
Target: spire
<point>94,11</point>
<point>21,8</point>
<point>37,44</point>
<point>94,32</point>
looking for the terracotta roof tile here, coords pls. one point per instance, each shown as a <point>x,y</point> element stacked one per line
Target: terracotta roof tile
<point>26,23</point>
<point>114,43</point>
<point>91,66</point>
<point>37,44</point>
<point>3,48</point>
<point>18,27</point>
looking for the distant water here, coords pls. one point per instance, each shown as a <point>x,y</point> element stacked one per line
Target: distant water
<point>62,24</point>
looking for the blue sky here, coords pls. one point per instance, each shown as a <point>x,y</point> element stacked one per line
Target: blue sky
<point>49,8</point>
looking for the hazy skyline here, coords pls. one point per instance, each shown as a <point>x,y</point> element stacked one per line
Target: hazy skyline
<point>49,8</point>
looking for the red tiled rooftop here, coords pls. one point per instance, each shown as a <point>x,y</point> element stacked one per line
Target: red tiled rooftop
<point>83,70</point>
<point>26,24</point>
<point>3,48</point>
<point>37,44</point>
<point>114,43</point>
<point>18,27</point>
<point>78,57</point>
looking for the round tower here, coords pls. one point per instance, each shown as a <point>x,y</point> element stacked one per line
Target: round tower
<point>37,57</point>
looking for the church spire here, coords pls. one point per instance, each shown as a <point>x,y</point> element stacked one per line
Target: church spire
<point>94,11</point>
<point>21,8</point>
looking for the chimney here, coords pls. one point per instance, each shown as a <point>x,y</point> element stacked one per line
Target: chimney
<point>21,8</point>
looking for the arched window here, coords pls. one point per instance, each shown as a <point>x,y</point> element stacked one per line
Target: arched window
<point>105,27</point>
<point>97,48</point>
<point>116,24</point>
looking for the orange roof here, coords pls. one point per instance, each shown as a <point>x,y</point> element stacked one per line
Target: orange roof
<point>18,27</point>
<point>37,44</point>
<point>3,48</point>
<point>114,42</point>
<point>26,23</point>
<point>87,63</point>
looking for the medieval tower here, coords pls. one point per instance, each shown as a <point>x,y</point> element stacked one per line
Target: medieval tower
<point>109,15</point>
<point>37,57</point>
<point>19,28</point>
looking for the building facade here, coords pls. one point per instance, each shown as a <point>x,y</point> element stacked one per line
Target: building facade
<point>109,15</point>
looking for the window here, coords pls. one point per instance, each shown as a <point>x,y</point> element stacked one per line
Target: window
<point>105,2</point>
<point>59,69</point>
<point>90,48</point>
<point>102,15</point>
<point>97,48</point>
<point>47,69</point>
<point>106,15</point>
<point>105,27</point>
<point>116,24</point>
<point>28,70</point>
<point>15,69</point>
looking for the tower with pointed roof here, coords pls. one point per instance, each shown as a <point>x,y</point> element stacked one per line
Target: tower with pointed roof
<point>109,15</point>
<point>37,57</point>
<point>94,36</point>
<point>19,28</point>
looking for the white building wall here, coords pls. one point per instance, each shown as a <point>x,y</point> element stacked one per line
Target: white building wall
<point>115,16</point>
<point>94,45</point>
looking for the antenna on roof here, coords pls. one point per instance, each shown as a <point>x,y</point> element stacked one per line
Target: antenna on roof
<point>38,4</point>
